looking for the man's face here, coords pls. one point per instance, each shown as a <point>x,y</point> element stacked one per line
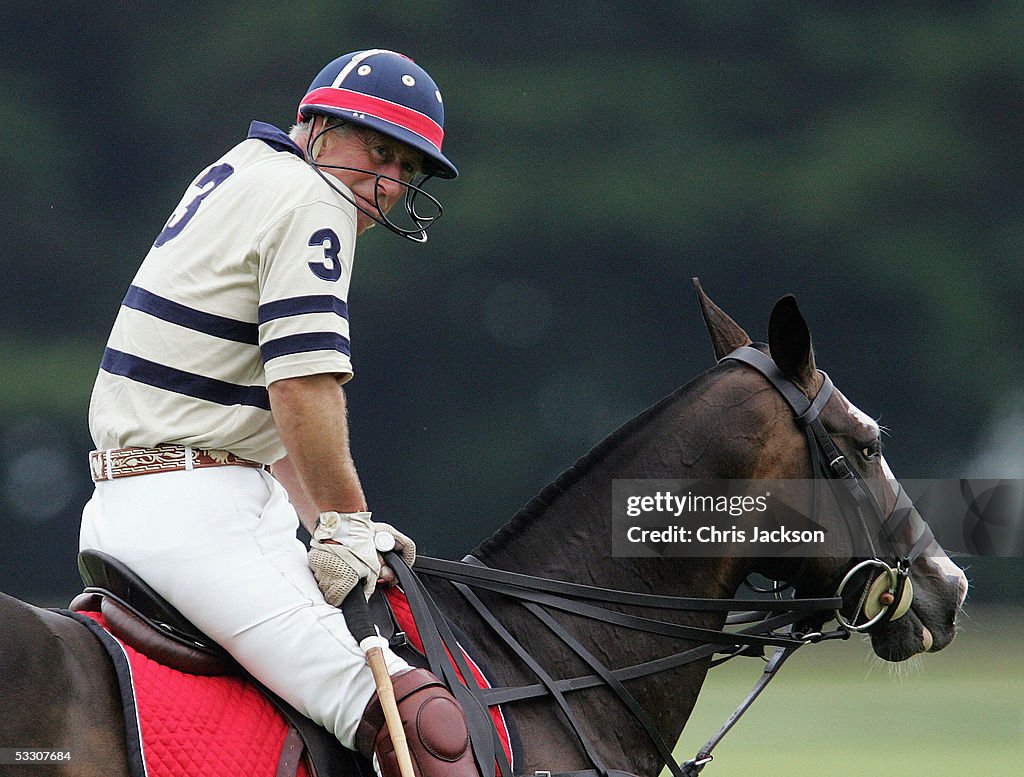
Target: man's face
<point>372,153</point>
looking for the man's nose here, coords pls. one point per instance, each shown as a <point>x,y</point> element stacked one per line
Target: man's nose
<point>388,190</point>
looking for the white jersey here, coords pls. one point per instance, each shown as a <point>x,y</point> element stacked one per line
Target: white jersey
<point>246,284</point>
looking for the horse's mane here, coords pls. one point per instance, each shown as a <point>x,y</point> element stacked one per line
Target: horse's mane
<point>525,516</point>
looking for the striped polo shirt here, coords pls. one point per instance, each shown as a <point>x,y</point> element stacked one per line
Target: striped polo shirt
<point>246,284</point>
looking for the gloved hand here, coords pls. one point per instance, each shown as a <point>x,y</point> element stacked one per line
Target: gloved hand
<point>341,553</point>
<point>404,545</point>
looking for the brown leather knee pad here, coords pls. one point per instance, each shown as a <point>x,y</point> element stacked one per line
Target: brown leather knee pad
<point>435,728</point>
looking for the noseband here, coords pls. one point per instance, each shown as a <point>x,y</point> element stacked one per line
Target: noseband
<point>886,596</point>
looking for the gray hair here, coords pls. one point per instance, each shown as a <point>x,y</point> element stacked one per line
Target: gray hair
<point>300,132</point>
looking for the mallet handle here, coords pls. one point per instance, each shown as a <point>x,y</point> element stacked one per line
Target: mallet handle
<point>359,622</point>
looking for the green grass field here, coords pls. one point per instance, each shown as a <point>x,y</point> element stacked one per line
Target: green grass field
<point>835,709</point>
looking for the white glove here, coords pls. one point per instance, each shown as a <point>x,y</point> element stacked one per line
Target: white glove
<point>341,553</point>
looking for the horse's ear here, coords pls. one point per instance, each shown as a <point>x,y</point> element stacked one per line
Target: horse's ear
<point>789,341</point>
<point>726,334</point>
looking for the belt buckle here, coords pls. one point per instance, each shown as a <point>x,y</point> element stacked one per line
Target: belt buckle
<point>99,465</point>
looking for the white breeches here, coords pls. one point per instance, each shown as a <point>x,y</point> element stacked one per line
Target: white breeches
<point>219,544</point>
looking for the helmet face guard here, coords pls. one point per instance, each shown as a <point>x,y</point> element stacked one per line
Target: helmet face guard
<point>388,93</point>
<point>413,225</point>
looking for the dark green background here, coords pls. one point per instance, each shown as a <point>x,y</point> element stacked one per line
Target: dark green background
<point>864,156</point>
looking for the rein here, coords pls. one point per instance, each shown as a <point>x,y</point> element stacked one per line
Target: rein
<point>767,621</point>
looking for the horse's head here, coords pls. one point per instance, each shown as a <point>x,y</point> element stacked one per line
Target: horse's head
<point>810,430</point>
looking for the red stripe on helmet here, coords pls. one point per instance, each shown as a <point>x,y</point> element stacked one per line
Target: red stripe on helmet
<point>357,102</point>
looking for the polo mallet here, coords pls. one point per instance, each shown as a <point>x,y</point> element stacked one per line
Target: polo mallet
<point>357,617</point>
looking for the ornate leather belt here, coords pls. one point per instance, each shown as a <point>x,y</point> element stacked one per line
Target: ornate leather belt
<point>128,462</point>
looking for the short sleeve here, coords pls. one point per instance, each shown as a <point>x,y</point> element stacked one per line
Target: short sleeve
<point>305,270</point>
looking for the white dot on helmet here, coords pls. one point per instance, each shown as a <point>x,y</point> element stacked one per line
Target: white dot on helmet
<point>408,80</point>
<point>364,70</point>
<point>437,95</point>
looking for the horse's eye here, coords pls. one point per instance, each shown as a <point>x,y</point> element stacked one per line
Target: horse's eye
<point>871,452</point>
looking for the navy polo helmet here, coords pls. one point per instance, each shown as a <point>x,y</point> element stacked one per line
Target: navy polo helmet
<point>389,93</point>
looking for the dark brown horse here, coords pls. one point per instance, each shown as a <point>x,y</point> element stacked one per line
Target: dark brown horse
<point>728,424</point>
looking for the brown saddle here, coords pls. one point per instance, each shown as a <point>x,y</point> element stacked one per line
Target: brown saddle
<point>145,620</point>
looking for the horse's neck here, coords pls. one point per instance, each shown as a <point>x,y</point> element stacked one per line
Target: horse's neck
<point>566,534</point>
<point>566,531</point>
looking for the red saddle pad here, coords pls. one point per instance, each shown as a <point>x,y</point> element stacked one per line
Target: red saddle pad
<point>195,726</point>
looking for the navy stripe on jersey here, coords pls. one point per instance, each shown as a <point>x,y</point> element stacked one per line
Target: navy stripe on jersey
<point>190,318</point>
<point>309,341</point>
<point>180,382</point>
<point>298,306</point>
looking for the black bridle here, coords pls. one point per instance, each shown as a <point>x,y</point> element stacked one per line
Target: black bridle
<point>829,464</point>
<point>759,623</point>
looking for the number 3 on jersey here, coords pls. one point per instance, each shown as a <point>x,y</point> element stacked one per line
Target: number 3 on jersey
<point>214,177</point>
<point>328,268</point>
